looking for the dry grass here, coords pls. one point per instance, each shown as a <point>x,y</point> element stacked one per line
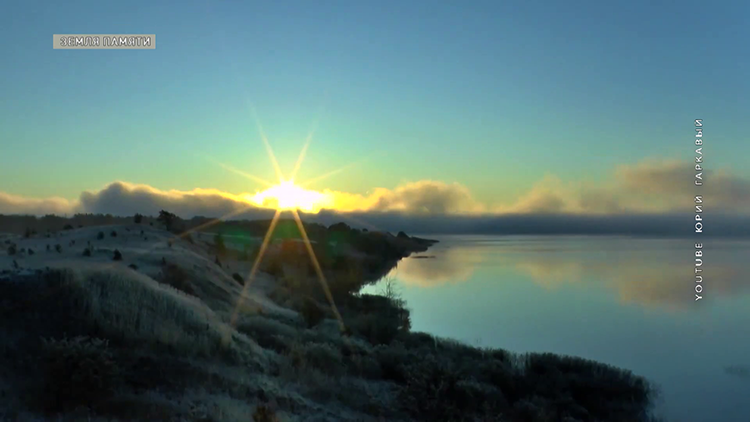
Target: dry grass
<point>167,352</point>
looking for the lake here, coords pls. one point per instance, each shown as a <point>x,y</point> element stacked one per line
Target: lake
<point>629,302</point>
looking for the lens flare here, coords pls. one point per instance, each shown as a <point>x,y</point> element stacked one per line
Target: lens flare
<point>288,196</point>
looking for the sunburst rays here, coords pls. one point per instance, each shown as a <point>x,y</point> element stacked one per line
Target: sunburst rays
<point>269,234</point>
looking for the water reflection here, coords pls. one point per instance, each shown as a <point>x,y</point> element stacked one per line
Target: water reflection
<point>627,302</point>
<point>657,276</point>
<point>447,264</point>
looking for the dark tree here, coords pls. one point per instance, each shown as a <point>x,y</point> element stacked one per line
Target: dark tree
<point>138,219</point>
<point>118,256</point>
<point>167,219</point>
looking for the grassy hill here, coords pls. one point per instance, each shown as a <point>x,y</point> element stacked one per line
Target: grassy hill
<point>173,329</point>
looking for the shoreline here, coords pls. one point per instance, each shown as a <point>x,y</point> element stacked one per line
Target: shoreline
<point>168,316</point>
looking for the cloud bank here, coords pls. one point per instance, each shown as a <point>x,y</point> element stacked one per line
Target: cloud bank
<point>649,197</point>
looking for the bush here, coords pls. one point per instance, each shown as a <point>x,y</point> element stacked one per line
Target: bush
<point>264,413</point>
<point>268,333</point>
<point>393,359</point>
<point>113,234</point>
<point>177,278</point>
<point>48,248</point>
<point>100,236</point>
<point>117,256</point>
<point>311,312</point>
<point>58,248</point>
<point>434,391</point>
<point>133,267</point>
<point>77,372</point>
<point>68,227</point>
<point>378,319</point>
<point>238,278</point>
<point>221,247</point>
<point>12,250</point>
<point>87,252</point>
<point>31,251</point>
<point>323,357</point>
<point>137,219</point>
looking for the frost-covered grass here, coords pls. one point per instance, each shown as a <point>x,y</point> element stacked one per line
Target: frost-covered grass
<point>91,339</point>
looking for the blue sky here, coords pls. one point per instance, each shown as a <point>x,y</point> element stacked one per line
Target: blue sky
<point>490,95</point>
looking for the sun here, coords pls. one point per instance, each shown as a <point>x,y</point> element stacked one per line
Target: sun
<point>288,196</point>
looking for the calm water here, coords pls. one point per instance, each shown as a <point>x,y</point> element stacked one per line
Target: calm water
<point>623,301</point>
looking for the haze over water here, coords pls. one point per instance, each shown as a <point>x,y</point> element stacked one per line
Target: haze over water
<point>628,302</point>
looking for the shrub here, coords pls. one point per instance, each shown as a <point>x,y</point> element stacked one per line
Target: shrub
<point>323,357</point>
<point>393,359</point>
<point>268,333</point>
<point>58,248</point>
<point>434,390</point>
<point>12,250</point>
<point>87,252</point>
<point>365,366</point>
<point>177,278</point>
<point>264,413</point>
<point>216,261</point>
<point>113,234</point>
<point>238,278</point>
<point>117,256</point>
<point>68,227</point>
<point>48,248</point>
<point>31,251</point>
<point>378,319</point>
<point>77,372</point>
<point>133,267</point>
<point>311,312</point>
<point>137,219</point>
<point>221,247</point>
<point>100,236</point>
